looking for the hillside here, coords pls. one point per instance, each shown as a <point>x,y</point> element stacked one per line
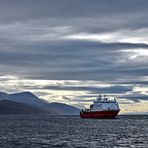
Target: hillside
<point>64,108</point>
<point>24,97</point>
<point>10,107</point>
<point>31,100</point>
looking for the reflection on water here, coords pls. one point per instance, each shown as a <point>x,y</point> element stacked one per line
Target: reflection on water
<point>73,132</point>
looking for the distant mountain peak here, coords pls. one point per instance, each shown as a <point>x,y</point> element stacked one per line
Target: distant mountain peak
<point>24,93</point>
<point>32,100</point>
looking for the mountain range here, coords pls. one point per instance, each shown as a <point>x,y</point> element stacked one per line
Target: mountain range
<point>28,103</point>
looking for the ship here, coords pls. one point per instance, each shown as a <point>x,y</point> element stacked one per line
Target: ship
<point>102,107</point>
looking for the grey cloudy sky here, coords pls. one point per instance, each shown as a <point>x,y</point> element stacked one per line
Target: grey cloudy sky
<point>104,41</point>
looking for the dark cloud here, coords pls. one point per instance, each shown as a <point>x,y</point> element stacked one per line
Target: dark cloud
<point>101,40</point>
<point>136,97</point>
<point>70,8</point>
<point>93,90</point>
<point>72,60</point>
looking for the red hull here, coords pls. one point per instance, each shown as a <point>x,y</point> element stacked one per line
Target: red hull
<point>99,114</point>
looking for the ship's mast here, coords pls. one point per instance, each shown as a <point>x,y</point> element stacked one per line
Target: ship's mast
<point>99,97</point>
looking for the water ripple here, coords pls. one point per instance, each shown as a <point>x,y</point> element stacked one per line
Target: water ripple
<point>72,132</point>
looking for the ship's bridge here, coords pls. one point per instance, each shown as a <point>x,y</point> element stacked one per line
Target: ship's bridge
<point>104,104</point>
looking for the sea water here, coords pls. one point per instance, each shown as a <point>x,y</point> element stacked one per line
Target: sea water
<point>43,131</point>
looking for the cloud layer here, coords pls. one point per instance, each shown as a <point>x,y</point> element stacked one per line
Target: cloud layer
<point>104,42</point>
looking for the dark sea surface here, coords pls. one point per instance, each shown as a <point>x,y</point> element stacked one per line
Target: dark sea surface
<point>43,131</point>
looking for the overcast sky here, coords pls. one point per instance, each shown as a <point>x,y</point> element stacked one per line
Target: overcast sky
<point>57,48</point>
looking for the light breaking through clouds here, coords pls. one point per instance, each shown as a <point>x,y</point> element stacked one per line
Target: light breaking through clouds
<point>75,48</point>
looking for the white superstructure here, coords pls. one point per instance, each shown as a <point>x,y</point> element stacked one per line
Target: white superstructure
<point>104,104</point>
